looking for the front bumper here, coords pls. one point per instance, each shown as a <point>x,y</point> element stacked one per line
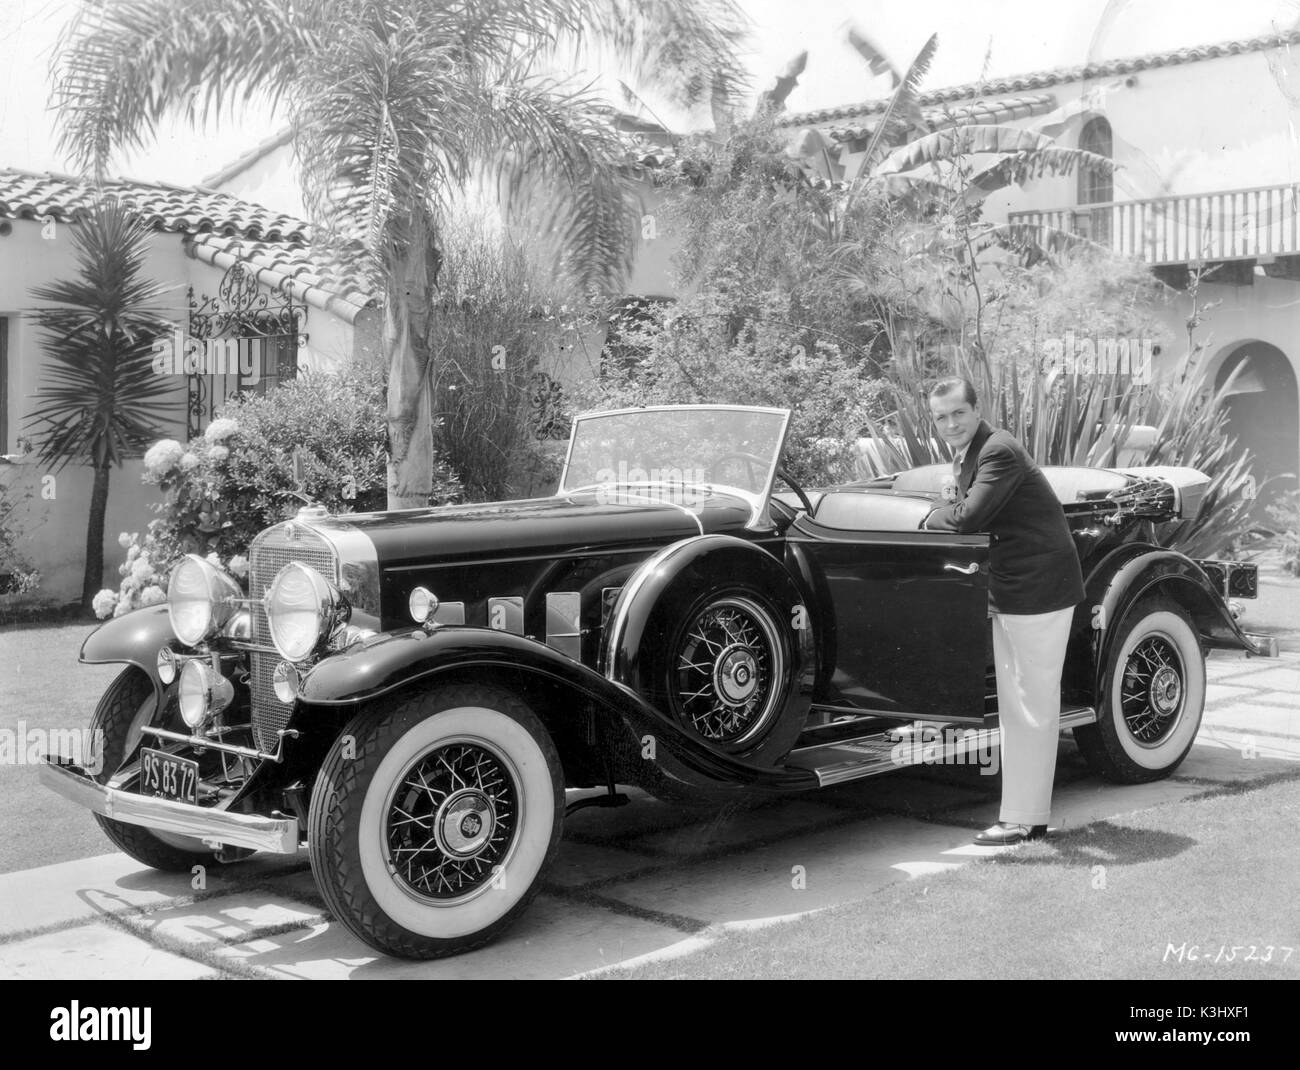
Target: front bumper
<point>275,834</point>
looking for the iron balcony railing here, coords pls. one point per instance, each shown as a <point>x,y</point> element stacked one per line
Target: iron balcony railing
<point>1242,224</point>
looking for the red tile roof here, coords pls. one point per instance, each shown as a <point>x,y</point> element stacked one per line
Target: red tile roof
<point>334,289</point>
<point>191,209</point>
<point>1046,79</point>
<point>217,229</point>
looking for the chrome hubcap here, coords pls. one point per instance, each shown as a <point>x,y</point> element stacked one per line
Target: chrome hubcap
<point>451,821</point>
<point>464,823</point>
<point>735,675</point>
<point>727,667</point>
<point>1151,691</point>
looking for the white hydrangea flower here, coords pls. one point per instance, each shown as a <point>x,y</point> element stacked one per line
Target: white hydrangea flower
<point>124,540</point>
<point>189,460</point>
<point>238,566</point>
<point>218,453</point>
<point>162,457</point>
<point>104,603</point>
<point>220,430</point>
<point>141,570</point>
<point>122,608</point>
<point>153,595</point>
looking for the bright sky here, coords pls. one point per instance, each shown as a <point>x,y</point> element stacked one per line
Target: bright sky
<point>1015,36</point>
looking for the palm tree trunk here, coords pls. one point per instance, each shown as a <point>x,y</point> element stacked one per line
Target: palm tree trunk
<point>93,578</point>
<point>406,350</point>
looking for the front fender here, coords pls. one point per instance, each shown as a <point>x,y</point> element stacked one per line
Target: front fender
<point>385,663</point>
<point>131,639</point>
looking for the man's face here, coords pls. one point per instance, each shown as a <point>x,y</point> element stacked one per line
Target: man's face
<point>955,417</point>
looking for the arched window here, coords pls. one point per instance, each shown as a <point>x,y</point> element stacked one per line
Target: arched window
<point>1097,187</point>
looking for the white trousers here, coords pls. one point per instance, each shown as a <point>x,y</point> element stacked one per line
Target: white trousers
<point>1029,652</point>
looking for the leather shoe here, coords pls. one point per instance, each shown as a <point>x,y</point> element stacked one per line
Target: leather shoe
<point>1004,835</point>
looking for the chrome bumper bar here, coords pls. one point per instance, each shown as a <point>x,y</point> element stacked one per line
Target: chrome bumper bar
<point>276,834</point>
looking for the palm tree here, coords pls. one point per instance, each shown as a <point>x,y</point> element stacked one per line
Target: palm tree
<point>397,105</point>
<point>100,400</point>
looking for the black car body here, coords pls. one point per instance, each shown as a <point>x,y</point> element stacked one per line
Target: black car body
<point>409,694</point>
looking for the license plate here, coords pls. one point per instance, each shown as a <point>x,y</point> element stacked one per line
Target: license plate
<point>169,776</point>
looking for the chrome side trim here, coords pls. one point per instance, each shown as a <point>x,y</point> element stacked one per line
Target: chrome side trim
<point>276,834</point>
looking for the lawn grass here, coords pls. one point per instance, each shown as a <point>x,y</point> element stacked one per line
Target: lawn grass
<point>42,687</point>
<point>1104,901</point>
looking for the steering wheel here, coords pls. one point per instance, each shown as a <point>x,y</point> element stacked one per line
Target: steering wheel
<point>754,466</point>
<point>784,476</point>
<point>781,474</point>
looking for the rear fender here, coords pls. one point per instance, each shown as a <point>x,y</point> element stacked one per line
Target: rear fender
<point>649,744</point>
<point>1137,570</point>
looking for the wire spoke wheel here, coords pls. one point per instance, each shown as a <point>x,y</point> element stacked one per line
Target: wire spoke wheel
<point>452,820</point>
<point>1152,690</point>
<point>726,670</point>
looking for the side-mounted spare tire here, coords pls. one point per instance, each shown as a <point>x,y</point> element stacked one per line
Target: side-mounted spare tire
<point>715,634</point>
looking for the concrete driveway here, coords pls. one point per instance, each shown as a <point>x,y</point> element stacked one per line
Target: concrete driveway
<point>646,879</point>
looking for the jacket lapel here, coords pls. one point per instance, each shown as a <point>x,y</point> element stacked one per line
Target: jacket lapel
<point>971,461</point>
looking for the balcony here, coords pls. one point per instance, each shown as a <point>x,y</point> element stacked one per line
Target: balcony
<point>1261,224</point>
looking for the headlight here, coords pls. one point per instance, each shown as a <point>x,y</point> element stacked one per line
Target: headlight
<point>203,693</point>
<point>302,609</point>
<point>200,599</point>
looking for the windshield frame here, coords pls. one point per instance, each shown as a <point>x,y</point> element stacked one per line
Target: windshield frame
<point>757,500</point>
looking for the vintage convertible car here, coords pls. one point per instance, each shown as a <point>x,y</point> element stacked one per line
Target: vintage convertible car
<point>410,693</point>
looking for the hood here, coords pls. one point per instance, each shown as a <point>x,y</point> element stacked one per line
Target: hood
<point>463,534</point>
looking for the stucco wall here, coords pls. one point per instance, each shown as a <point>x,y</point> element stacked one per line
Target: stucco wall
<point>54,517</point>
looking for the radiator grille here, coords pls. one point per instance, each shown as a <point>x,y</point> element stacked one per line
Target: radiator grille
<point>271,551</point>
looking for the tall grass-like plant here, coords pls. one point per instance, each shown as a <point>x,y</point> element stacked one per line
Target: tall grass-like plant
<point>502,320</point>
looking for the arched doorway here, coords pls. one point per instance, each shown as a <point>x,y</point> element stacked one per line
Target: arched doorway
<point>1264,415</point>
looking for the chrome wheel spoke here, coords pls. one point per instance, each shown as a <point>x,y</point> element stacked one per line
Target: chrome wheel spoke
<point>452,821</point>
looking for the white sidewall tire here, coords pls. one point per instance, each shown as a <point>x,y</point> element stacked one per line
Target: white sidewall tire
<point>495,731</point>
<point>1170,749</point>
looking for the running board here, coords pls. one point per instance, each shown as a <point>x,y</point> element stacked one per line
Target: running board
<point>911,743</point>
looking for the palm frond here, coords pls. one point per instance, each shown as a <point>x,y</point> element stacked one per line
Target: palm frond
<point>125,64</point>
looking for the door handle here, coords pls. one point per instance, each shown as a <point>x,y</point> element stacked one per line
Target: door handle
<point>969,570</point>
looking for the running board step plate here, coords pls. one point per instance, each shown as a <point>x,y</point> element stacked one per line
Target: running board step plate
<point>912,743</point>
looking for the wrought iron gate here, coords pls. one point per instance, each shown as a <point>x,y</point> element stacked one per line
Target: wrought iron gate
<point>245,341</point>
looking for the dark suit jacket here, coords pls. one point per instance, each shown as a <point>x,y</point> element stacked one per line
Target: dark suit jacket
<point>1033,563</point>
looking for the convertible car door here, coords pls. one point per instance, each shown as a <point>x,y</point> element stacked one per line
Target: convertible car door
<point>910,620</point>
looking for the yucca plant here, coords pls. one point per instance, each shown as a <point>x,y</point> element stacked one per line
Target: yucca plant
<point>1073,419</point>
<point>99,399</point>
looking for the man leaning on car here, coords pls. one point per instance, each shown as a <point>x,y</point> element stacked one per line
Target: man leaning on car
<point>1034,584</point>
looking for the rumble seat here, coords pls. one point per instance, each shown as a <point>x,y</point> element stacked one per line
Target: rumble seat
<point>1072,484</point>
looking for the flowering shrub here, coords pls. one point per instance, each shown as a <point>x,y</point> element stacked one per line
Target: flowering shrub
<point>237,478</point>
<point>16,576</point>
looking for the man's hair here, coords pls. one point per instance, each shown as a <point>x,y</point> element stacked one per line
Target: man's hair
<point>955,382</point>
